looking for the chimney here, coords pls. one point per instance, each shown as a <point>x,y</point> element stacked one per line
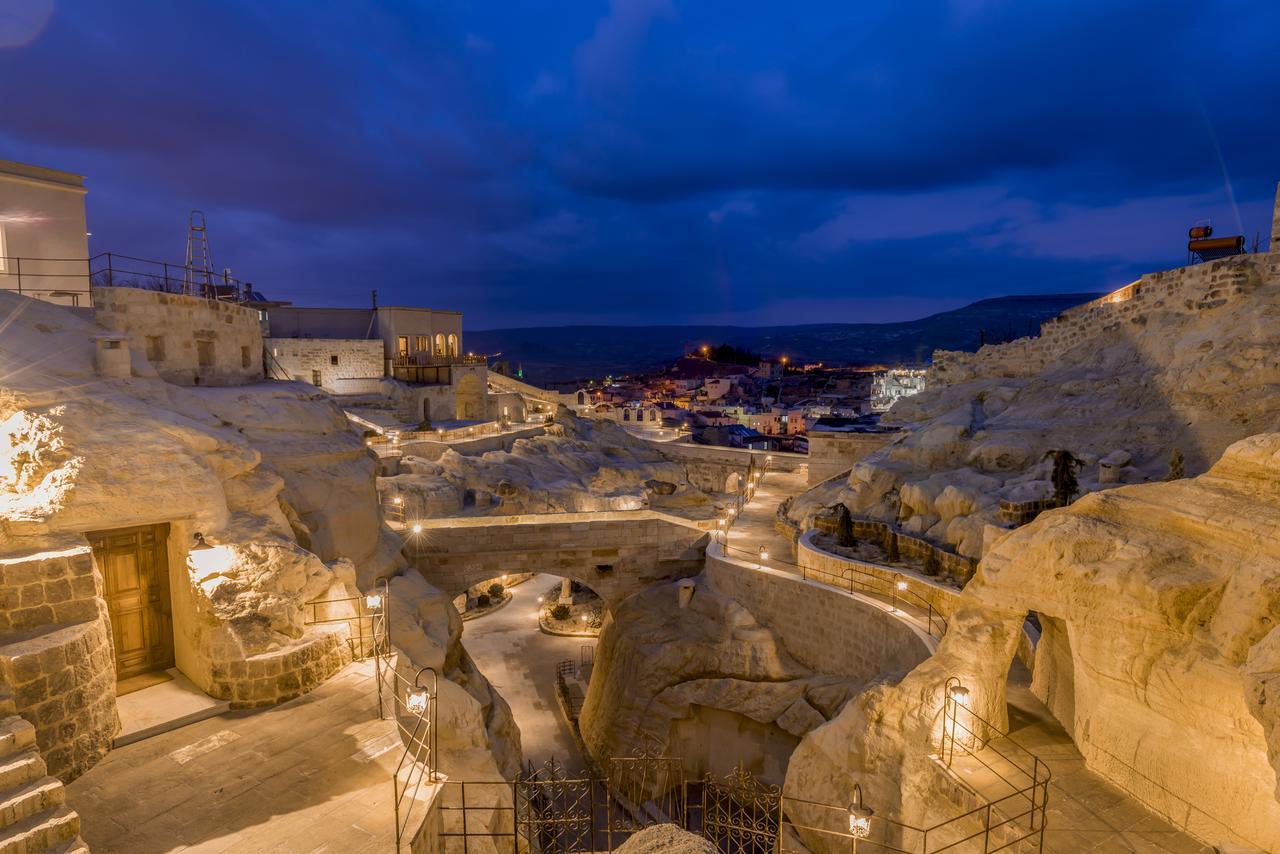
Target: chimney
<point>1275,223</point>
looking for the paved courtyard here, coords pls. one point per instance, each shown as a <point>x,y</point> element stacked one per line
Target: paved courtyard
<point>311,775</point>
<point>520,662</point>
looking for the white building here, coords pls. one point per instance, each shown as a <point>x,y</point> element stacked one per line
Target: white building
<point>893,385</point>
<point>44,245</point>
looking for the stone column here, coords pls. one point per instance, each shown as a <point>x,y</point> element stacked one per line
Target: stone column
<point>566,591</point>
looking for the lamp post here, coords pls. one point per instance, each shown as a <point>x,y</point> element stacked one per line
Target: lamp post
<point>899,586</point>
<point>957,698</point>
<point>764,556</point>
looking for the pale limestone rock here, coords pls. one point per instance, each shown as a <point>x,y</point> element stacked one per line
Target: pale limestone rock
<point>666,839</point>
<point>657,664</point>
<point>579,465</point>
<point>477,737</point>
<point>1159,604</point>
<point>1167,377</point>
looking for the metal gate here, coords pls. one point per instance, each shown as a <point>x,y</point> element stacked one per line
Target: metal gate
<point>740,814</point>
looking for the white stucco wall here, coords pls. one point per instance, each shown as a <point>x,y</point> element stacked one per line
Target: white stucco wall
<point>43,244</point>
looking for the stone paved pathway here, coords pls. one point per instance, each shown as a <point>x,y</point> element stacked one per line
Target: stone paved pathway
<point>310,775</point>
<point>520,662</point>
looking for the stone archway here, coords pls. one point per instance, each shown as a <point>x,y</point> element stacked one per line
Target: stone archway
<point>732,482</point>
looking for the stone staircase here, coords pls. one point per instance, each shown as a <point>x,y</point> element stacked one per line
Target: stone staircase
<point>34,816</point>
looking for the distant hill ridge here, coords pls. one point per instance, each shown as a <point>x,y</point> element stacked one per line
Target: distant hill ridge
<point>560,353</point>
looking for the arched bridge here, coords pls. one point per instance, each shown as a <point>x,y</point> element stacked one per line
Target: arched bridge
<point>614,553</point>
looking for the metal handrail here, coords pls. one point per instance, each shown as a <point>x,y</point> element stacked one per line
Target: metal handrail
<point>111,269</point>
<point>419,739</point>
<point>935,622</point>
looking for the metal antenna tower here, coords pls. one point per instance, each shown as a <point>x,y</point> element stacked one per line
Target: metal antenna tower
<point>197,276</point>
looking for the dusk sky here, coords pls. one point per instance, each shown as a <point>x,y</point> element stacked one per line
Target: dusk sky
<point>650,161</point>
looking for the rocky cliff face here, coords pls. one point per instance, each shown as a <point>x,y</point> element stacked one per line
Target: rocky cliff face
<point>579,465</point>
<point>1161,612</point>
<point>1170,370</point>
<point>662,673</point>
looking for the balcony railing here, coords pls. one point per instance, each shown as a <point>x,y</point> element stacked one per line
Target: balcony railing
<point>71,280</point>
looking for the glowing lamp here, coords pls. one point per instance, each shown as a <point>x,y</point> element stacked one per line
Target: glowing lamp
<point>417,527</point>
<point>720,523</point>
<point>206,560</point>
<point>902,585</point>
<point>584,618</point>
<point>732,511</point>
<point>416,701</point>
<point>764,553</point>
<point>397,501</point>
<point>959,694</point>
<point>373,601</point>
<point>859,815</point>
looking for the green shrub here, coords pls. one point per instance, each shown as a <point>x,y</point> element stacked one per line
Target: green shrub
<point>560,612</point>
<point>482,601</point>
<point>496,590</point>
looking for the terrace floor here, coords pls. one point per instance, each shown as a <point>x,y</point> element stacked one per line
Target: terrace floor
<point>313,774</point>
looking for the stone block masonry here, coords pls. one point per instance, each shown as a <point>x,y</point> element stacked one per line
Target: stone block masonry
<point>56,655</point>
<point>831,453</point>
<point>325,362</point>
<point>1185,290</point>
<point>868,643</point>
<point>188,340</point>
<point>265,680</point>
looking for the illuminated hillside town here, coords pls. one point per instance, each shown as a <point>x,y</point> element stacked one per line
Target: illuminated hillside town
<point>343,511</point>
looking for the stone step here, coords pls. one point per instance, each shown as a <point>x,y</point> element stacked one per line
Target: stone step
<point>41,832</point>
<point>75,846</point>
<point>16,735</point>
<point>21,768</point>
<point>29,799</point>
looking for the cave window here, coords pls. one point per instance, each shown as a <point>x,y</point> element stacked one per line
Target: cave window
<point>204,354</point>
<point>333,360</point>
<point>244,357</point>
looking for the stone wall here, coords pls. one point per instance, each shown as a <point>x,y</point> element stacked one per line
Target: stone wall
<point>1185,290</point>
<point>955,565</point>
<point>638,548</point>
<point>265,680</point>
<point>329,360</point>
<point>826,630</point>
<point>943,599</point>
<point>831,453</point>
<point>188,340</point>
<point>56,655</point>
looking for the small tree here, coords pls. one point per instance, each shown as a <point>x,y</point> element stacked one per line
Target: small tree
<point>1175,465</point>
<point>844,527</point>
<point>482,601</point>
<point>560,612</point>
<point>496,590</point>
<point>891,548</point>
<point>1065,486</point>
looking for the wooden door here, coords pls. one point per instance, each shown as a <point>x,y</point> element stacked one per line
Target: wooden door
<point>135,569</point>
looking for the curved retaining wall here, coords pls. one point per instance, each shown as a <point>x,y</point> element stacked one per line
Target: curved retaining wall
<point>943,599</point>
<point>825,629</point>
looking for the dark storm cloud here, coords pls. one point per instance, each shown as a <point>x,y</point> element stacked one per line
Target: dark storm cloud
<point>652,160</point>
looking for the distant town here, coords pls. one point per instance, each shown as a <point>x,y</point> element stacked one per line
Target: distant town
<point>723,395</point>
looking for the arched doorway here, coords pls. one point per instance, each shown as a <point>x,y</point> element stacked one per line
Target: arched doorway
<point>453,345</point>
<point>582,398</point>
<point>439,344</point>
